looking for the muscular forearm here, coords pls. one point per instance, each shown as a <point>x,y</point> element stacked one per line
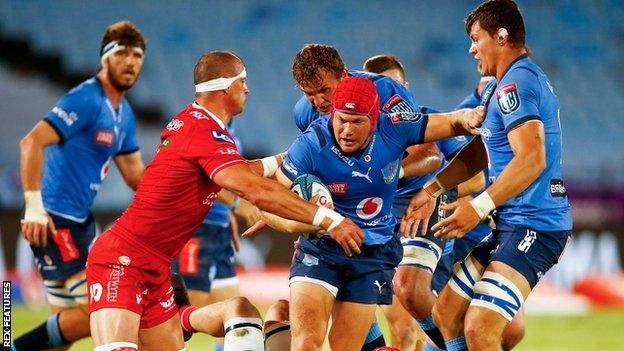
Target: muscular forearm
<point>421,159</point>
<point>472,185</point>
<point>471,160</point>
<point>287,225</point>
<point>31,164</point>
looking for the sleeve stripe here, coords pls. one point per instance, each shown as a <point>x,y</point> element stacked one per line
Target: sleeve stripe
<point>520,121</point>
<point>227,164</point>
<point>127,152</point>
<point>423,128</point>
<point>56,129</point>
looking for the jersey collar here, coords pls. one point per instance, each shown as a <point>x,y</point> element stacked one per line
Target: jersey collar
<point>212,115</point>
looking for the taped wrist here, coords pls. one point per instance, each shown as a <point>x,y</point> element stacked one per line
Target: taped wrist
<point>434,188</point>
<point>483,204</point>
<point>269,166</point>
<point>326,218</point>
<point>34,211</point>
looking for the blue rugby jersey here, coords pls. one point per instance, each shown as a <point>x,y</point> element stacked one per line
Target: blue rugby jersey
<point>523,94</point>
<point>92,133</point>
<point>362,184</point>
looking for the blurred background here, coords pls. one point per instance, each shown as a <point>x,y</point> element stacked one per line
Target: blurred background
<point>46,47</point>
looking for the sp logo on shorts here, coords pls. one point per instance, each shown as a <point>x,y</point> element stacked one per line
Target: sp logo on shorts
<point>508,99</point>
<point>95,292</point>
<point>528,240</point>
<point>167,305</point>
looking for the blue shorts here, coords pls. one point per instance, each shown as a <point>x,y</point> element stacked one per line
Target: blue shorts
<point>530,252</point>
<point>66,252</point>
<point>206,257</point>
<point>365,278</point>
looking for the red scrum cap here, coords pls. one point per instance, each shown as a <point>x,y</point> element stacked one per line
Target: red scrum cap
<point>357,96</point>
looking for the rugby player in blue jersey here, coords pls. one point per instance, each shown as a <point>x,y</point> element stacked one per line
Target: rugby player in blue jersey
<point>522,134</point>
<point>358,158</point>
<point>64,160</point>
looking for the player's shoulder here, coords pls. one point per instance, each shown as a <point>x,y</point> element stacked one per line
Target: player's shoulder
<point>88,92</point>
<point>524,71</point>
<point>317,135</point>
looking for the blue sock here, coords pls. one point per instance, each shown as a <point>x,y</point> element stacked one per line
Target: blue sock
<point>218,347</point>
<point>45,336</point>
<point>457,344</point>
<point>432,331</point>
<point>374,339</point>
<point>430,347</point>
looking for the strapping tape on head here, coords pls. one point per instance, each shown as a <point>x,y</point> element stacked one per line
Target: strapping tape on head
<point>218,83</point>
<point>114,46</point>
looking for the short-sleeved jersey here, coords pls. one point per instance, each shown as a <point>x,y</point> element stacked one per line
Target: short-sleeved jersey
<point>92,132</point>
<point>448,148</point>
<point>523,94</point>
<point>362,184</point>
<point>218,214</point>
<point>177,190</point>
<point>393,97</point>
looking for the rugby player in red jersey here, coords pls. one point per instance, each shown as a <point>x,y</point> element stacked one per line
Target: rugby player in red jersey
<point>131,300</point>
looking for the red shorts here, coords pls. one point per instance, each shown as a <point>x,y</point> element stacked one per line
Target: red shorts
<point>124,273</point>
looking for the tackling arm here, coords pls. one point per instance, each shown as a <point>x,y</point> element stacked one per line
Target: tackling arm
<point>460,122</point>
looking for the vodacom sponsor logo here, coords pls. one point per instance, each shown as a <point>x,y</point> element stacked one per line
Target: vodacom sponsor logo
<point>369,207</point>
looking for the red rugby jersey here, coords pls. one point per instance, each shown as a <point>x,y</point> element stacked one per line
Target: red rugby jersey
<point>177,190</point>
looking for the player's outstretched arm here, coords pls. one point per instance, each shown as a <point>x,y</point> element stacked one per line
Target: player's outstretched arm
<point>528,144</point>
<point>460,122</point>
<point>36,220</point>
<point>270,196</point>
<point>421,159</point>
<point>131,167</point>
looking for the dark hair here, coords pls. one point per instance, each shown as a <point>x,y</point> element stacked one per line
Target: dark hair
<point>215,64</point>
<point>495,14</point>
<point>382,63</point>
<point>311,59</point>
<point>125,33</point>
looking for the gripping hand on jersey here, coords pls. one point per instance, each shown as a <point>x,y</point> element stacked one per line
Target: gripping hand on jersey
<point>463,220</point>
<point>36,220</point>
<point>471,119</point>
<point>418,212</point>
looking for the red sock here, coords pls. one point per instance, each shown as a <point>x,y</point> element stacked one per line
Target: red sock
<point>185,315</point>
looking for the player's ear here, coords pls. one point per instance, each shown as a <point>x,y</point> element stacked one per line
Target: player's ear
<point>502,34</point>
<point>345,73</point>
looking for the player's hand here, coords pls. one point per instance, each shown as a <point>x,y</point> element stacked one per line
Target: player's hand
<point>418,211</point>
<point>471,119</point>
<point>348,235</point>
<point>36,233</point>
<point>248,212</point>
<point>463,220</point>
<point>234,230</point>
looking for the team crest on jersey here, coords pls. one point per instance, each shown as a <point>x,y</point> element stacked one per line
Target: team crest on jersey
<point>390,171</point>
<point>104,137</point>
<point>221,137</point>
<point>508,98</point>
<point>396,104</point>
<point>369,207</point>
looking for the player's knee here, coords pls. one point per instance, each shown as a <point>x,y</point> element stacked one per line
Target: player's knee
<point>513,334</point>
<point>478,333</point>
<point>307,342</point>
<point>413,295</point>
<point>277,312</point>
<point>117,346</point>
<point>241,307</point>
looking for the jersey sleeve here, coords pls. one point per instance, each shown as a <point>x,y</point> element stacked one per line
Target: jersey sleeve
<point>304,114</point>
<point>449,147</point>
<point>298,160</point>
<point>73,112</point>
<point>518,98</point>
<point>129,144</point>
<point>405,128</point>
<point>213,148</point>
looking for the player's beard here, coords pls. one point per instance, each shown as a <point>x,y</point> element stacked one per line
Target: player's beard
<point>120,86</point>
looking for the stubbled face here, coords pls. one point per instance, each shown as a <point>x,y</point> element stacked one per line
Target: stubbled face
<point>485,49</point>
<point>320,93</point>
<point>238,92</point>
<point>123,68</point>
<point>352,132</point>
<point>396,75</point>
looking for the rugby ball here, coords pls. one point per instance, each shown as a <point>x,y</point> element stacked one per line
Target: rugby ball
<point>307,186</point>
